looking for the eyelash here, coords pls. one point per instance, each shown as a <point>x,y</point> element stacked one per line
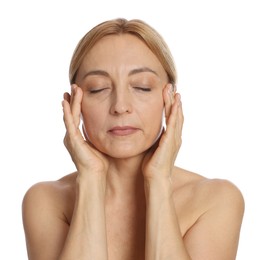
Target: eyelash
<point>143,89</point>
<point>95,91</point>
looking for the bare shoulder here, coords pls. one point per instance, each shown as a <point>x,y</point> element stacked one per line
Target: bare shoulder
<point>46,210</point>
<point>49,195</point>
<point>197,185</point>
<point>51,189</point>
<point>196,196</point>
<point>210,213</point>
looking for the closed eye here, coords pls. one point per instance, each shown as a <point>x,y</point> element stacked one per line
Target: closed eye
<point>95,91</point>
<point>143,89</point>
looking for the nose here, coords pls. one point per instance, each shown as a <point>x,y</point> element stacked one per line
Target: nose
<point>121,102</point>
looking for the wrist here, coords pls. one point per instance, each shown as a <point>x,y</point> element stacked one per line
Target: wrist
<point>90,182</point>
<point>157,173</point>
<point>158,188</point>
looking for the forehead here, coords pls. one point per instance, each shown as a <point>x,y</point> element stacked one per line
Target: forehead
<point>121,53</point>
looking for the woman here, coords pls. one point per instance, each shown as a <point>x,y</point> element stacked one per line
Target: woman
<point>127,200</point>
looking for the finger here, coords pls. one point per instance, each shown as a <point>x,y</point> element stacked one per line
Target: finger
<point>173,123</point>
<point>67,97</point>
<point>179,121</point>
<point>76,100</point>
<point>180,113</point>
<point>68,117</point>
<point>168,100</point>
<point>72,94</point>
<point>73,136</point>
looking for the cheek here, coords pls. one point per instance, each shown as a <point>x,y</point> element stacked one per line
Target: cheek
<point>156,106</point>
<point>91,119</point>
<point>153,113</point>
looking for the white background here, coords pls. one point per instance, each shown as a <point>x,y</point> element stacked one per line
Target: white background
<point>222,52</point>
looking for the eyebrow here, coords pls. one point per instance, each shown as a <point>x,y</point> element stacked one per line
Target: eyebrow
<point>96,72</point>
<point>140,70</point>
<point>132,72</point>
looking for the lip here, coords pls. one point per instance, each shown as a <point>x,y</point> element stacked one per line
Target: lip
<point>123,130</point>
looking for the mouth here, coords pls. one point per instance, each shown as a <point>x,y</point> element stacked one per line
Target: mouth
<point>123,130</point>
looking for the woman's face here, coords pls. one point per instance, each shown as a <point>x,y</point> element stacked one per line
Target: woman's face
<point>122,106</point>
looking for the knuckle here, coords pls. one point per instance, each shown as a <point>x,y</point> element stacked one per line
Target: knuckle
<point>66,140</point>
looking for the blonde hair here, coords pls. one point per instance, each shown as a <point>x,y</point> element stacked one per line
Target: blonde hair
<point>136,27</point>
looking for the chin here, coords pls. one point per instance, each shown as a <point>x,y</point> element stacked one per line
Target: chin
<point>129,151</point>
<point>119,153</point>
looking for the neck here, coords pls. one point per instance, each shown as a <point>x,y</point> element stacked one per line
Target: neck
<point>125,177</point>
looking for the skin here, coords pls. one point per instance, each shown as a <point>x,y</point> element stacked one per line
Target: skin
<point>127,199</point>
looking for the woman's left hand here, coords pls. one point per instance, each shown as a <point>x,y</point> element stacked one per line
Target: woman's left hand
<point>159,160</point>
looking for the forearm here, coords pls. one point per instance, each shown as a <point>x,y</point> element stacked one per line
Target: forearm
<point>163,235</point>
<point>87,233</point>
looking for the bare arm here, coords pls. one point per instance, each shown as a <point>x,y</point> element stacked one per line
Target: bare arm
<point>163,236</point>
<point>87,233</point>
<point>215,234</point>
<point>86,238</point>
<point>44,223</point>
<point>48,234</point>
<point>47,231</point>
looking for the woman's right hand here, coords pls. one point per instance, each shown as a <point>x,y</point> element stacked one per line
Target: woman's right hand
<point>86,158</point>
